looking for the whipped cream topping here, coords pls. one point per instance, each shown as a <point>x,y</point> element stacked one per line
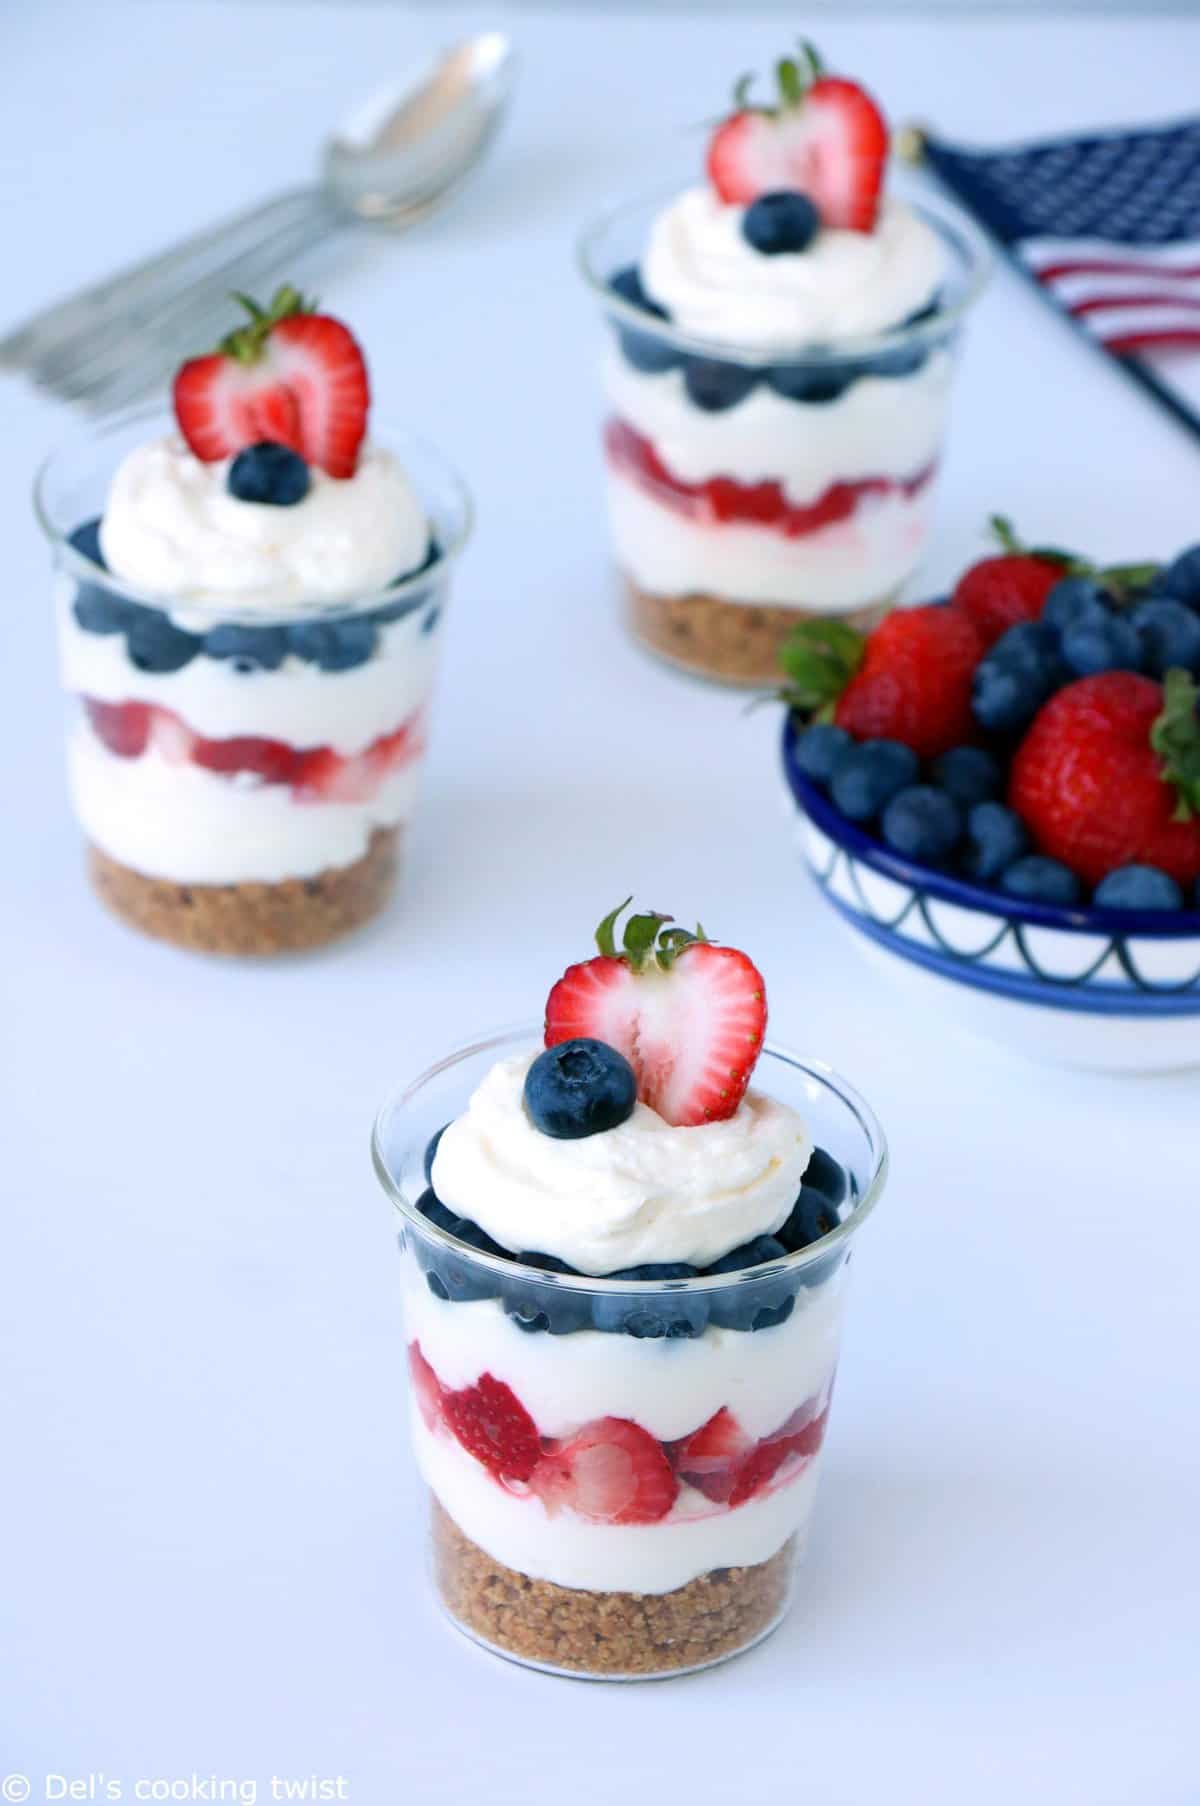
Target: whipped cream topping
<point>642,1193</point>
<point>172,528</point>
<point>715,284</point>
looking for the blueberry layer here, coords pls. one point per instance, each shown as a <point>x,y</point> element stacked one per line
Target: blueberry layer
<point>155,644</point>
<point>750,1306</point>
<point>716,384</point>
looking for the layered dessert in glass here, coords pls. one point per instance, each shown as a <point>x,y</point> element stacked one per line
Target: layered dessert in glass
<point>624,1270</point>
<point>249,600</point>
<point>779,360</point>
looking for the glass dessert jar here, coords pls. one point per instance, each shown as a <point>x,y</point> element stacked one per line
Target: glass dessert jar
<point>620,1472</point>
<point>750,488</point>
<point>242,774</point>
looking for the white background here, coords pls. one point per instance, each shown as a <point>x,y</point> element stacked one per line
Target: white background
<point>211,1528</point>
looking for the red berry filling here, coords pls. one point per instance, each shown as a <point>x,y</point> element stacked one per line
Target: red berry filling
<point>722,501</point>
<point>612,1471</point>
<point>314,774</point>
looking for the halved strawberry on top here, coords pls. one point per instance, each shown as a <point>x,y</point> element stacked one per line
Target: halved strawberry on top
<point>821,134</point>
<point>687,1014</point>
<point>291,376</point>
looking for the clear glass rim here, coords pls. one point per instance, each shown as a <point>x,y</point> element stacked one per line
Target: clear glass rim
<point>949,221</point>
<point>531,1032</point>
<point>88,571</point>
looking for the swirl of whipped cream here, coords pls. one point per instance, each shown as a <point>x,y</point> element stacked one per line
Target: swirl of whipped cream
<point>634,1195</point>
<point>172,528</point>
<point>712,282</point>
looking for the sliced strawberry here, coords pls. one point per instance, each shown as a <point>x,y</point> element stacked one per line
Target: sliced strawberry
<point>123,727</point>
<point>427,1388</point>
<point>271,760</point>
<point>823,135</point>
<point>324,776</point>
<point>711,1457</point>
<point>688,1015</point>
<point>611,1472</point>
<point>762,1465</point>
<point>493,1425</point>
<point>292,376</point>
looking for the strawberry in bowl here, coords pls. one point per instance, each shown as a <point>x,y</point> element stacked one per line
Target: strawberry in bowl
<point>248,616</point>
<point>625,1236</point>
<point>781,348</point>
<point>1000,793</point>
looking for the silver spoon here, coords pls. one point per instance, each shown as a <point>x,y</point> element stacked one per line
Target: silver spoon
<point>396,159</point>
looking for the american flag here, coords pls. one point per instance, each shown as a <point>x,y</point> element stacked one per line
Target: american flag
<point>1108,226</point>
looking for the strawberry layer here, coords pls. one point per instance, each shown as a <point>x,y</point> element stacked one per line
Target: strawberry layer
<point>724,500</point>
<point>317,774</point>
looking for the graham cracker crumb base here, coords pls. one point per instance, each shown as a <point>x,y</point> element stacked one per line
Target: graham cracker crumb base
<point>733,642</point>
<point>289,917</point>
<point>613,1635</point>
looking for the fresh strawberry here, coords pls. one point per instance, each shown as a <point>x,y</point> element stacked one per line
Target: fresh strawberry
<point>761,1467</point>
<point>711,1457</point>
<point>123,727</point>
<point>291,376</point>
<point>1002,591</point>
<point>493,1425</point>
<point>324,776</point>
<point>688,1015</point>
<point>908,680</point>
<point>823,135</point>
<point>1109,775</point>
<point>611,1472</point>
<point>272,761</point>
<point>427,1388</point>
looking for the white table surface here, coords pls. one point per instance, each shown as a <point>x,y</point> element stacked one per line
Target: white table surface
<point>211,1525</point>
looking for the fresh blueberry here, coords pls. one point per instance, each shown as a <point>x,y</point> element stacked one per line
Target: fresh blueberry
<point>1014,679</point>
<point>1181,578</point>
<point>1036,879</point>
<point>334,645</point>
<point>431,1206</point>
<point>714,385</point>
<point>155,643</point>
<point>86,540</point>
<point>396,611</point>
<point>815,382</point>
<point>868,775</point>
<point>752,1304</point>
<point>268,473</point>
<point>99,611</point>
<point>1169,635</point>
<point>818,750</point>
<point>578,1088</point>
<point>931,307</point>
<point>1110,643</point>
<point>824,1174</point>
<point>968,774</point>
<point>784,220</point>
<point>923,823</point>
<point>647,351</point>
<point>902,360</point>
<point>248,648</point>
<point>1137,887</point>
<point>1073,599</point>
<point>431,1152</point>
<point>464,1279</point>
<point>995,837</point>
<point>813,1215</point>
<point>549,1310</point>
<point>657,1316</point>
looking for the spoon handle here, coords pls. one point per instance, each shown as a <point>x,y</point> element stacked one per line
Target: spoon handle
<point>75,347</point>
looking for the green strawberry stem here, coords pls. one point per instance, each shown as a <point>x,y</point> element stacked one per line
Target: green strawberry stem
<point>646,939</point>
<point>794,76</point>
<point>1123,580</point>
<point>1175,737</point>
<point>245,344</point>
<point>819,658</point>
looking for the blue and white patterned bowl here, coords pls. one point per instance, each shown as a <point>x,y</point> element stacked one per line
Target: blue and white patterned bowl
<point>1107,988</point>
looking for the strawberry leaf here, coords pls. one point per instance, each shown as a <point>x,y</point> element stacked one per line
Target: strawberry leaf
<point>606,933</point>
<point>1175,737</point>
<point>819,658</point>
<point>641,932</point>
